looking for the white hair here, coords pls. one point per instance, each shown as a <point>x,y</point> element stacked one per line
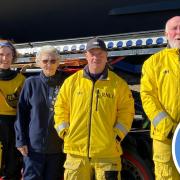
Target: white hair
<point>47,49</point>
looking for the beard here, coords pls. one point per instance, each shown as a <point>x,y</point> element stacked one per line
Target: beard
<point>174,44</point>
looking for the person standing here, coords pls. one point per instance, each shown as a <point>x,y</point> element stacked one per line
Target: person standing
<point>160,92</point>
<point>11,83</point>
<point>94,111</point>
<point>36,138</point>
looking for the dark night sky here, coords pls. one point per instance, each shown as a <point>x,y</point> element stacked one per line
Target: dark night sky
<point>38,20</point>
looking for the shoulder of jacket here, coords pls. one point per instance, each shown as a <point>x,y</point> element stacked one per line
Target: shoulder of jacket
<point>20,75</point>
<point>32,79</point>
<point>163,52</point>
<point>74,76</point>
<point>155,58</point>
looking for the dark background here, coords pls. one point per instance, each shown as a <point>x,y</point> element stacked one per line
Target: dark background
<point>40,20</point>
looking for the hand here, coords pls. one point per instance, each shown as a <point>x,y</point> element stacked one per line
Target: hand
<point>23,150</point>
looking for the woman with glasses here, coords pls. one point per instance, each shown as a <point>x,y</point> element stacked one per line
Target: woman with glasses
<point>36,138</point>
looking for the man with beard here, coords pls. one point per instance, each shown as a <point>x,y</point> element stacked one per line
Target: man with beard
<point>160,92</point>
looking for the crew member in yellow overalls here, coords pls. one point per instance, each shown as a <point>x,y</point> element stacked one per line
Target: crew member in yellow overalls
<point>93,113</point>
<point>160,94</point>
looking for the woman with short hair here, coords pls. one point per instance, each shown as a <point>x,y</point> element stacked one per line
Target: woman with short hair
<point>36,138</point>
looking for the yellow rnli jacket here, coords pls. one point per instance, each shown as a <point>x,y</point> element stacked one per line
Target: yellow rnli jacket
<point>160,92</point>
<point>89,116</point>
<point>9,94</point>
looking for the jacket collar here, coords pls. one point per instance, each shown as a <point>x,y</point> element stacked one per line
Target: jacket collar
<point>103,76</point>
<point>52,81</point>
<point>7,74</point>
<point>173,50</point>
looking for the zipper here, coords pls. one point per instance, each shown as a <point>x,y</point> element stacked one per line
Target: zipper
<point>90,115</point>
<point>97,99</point>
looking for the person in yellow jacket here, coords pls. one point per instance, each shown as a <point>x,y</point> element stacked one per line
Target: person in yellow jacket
<point>160,94</point>
<point>11,83</point>
<point>93,113</point>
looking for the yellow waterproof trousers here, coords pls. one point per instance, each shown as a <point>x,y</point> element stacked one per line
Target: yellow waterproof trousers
<point>164,165</point>
<point>83,168</point>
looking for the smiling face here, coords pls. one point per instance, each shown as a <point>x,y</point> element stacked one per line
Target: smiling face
<point>49,63</point>
<point>173,32</point>
<point>97,59</point>
<point>6,57</point>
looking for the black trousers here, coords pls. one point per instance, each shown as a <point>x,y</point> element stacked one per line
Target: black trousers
<point>11,159</point>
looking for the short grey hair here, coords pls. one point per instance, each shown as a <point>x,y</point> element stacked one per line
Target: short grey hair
<point>47,49</point>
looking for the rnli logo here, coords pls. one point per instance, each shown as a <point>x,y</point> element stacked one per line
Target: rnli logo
<point>106,94</point>
<point>12,99</point>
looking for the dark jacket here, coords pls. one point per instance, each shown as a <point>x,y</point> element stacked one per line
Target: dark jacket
<point>35,116</point>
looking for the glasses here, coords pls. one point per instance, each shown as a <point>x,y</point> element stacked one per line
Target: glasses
<point>52,61</point>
